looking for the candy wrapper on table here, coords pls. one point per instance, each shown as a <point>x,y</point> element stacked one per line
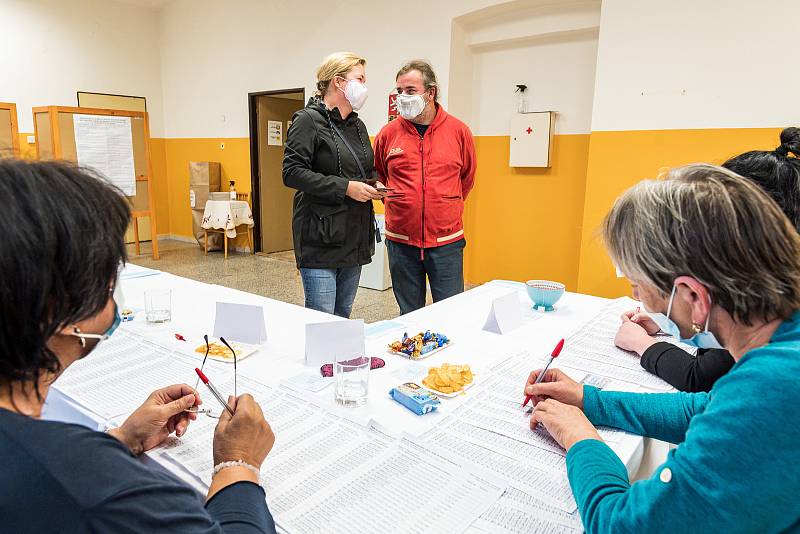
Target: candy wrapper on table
<point>420,346</point>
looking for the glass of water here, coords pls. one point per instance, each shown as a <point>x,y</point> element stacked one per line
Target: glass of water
<point>158,305</point>
<point>352,379</point>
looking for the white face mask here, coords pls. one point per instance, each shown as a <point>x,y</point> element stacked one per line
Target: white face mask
<point>356,93</point>
<point>410,106</point>
<point>703,340</point>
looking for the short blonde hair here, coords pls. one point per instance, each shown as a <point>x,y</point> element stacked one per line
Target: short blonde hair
<point>336,64</point>
<point>709,223</point>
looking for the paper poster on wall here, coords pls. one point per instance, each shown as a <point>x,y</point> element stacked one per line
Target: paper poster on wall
<point>106,145</point>
<point>274,133</point>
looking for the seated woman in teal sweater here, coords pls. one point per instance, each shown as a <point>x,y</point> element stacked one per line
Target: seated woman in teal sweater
<point>717,257</point>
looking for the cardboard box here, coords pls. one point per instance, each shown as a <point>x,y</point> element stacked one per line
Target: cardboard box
<point>214,239</point>
<point>204,177</point>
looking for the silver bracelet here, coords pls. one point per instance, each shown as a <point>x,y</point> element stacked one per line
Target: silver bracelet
<point>236,463</point>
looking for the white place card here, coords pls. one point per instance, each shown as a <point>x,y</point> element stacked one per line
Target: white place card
<point>326,340</point>
<point>240,322</point>
<point>505,315</point>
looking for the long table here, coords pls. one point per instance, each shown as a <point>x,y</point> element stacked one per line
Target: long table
<point>461,318</point>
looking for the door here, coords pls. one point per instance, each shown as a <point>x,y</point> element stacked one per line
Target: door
<point>273,112</point>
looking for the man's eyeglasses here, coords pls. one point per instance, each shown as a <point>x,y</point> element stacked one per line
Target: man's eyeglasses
<point>217,412</point>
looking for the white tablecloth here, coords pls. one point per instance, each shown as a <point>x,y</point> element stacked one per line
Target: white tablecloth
<point>460,317</point>
<point>227,215</point>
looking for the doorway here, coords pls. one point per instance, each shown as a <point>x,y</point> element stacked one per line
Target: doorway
<point>270,117</point>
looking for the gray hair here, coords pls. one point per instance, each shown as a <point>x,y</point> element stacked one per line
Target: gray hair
<point>709,223</point>
<point>424,68</point>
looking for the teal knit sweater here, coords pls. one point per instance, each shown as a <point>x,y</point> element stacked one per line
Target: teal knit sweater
<point>737,465</point>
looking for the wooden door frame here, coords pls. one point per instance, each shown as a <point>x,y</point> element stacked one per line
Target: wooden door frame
<point>255,184</point>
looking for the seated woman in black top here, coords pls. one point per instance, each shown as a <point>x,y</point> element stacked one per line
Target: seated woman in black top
<point>778,173</point>
<point>59,257</point>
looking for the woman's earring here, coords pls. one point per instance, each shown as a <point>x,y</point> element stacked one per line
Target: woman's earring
<point>697,328</point>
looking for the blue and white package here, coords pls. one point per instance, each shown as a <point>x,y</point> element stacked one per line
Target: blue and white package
<point>418,400</point>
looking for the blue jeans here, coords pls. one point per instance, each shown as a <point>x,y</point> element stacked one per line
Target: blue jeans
<point>331,290</point>
<point>444,267</point>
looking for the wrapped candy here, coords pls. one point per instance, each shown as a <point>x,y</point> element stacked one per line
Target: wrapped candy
<point>419,345</point>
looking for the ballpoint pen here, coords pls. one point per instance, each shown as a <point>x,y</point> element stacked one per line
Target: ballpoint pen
<point>553,356</point>
<point>213,390</point>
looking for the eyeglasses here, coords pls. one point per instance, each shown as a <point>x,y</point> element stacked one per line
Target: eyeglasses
<point>214,413</point>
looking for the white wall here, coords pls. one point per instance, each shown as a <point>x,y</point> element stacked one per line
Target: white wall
<point>213,53</point>
<point>51,49</point>
<point>697,64</point>
<point>680,64</point>
<point>550,47</point>
<point>559,74</point>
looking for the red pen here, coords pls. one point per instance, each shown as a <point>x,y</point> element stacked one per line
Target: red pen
<point>180,337</point>
<point>213,390</point>
<point>553,356</point>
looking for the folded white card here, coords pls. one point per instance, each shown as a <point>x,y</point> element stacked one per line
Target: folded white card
<point>240,322</point>
<point>505,314</point>
<point>324,341</point>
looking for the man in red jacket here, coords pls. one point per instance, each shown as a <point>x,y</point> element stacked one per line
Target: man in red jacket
<point>427,158</point>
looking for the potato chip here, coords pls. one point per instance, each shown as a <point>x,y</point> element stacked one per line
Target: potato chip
<point>448,378</point>
<point>217,349</point>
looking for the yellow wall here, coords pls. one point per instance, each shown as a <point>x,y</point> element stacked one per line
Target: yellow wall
<point>617,160</point>
<point>235,163</point>
<point>523,223</point>
<point>26,151</point>
<point>520,223</point>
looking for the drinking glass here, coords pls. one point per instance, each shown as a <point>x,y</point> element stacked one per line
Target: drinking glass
<point>352,379</point>
<point>158,305</point>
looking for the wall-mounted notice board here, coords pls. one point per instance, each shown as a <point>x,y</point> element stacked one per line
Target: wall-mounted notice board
<point>9,132</point>
<point>114,142</point>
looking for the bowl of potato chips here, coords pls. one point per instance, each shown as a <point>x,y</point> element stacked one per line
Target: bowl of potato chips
<point>448,380</point>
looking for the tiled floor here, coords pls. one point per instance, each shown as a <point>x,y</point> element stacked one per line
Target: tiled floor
<point>273,276</point>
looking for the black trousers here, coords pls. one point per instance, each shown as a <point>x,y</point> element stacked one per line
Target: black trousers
<point>443,266</point>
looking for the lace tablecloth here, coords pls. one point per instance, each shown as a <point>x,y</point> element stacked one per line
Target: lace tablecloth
<point>227,215</point>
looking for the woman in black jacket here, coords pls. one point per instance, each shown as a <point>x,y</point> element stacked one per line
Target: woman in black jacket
<point>329,160</point>
<point>778,173</point>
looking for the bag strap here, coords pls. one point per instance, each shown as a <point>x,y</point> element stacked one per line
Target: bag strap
<point>363,175</point>
<point>352,152</point>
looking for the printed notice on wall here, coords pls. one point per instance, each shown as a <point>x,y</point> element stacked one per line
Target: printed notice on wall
<point>106,145</point>
<point>274,133</point>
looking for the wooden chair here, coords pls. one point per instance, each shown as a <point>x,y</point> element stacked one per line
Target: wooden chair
<point>244,197</point>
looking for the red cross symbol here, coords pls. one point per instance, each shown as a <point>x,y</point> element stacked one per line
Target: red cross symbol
<point>529,130</point>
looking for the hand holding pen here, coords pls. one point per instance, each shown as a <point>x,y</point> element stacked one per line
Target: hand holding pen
<point>541,374</point>
<point>557,386</point>
<point>213,390</point>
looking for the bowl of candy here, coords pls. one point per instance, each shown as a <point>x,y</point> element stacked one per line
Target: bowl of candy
<point>544,293</point>
<point>420,346</point>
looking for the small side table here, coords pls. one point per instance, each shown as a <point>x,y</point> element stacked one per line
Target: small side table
<point>223,217</point>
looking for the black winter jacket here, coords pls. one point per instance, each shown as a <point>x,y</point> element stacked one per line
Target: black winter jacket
<point>330,229</point>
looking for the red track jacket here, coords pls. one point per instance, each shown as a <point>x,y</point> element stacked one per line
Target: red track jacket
<point>431,177</point>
